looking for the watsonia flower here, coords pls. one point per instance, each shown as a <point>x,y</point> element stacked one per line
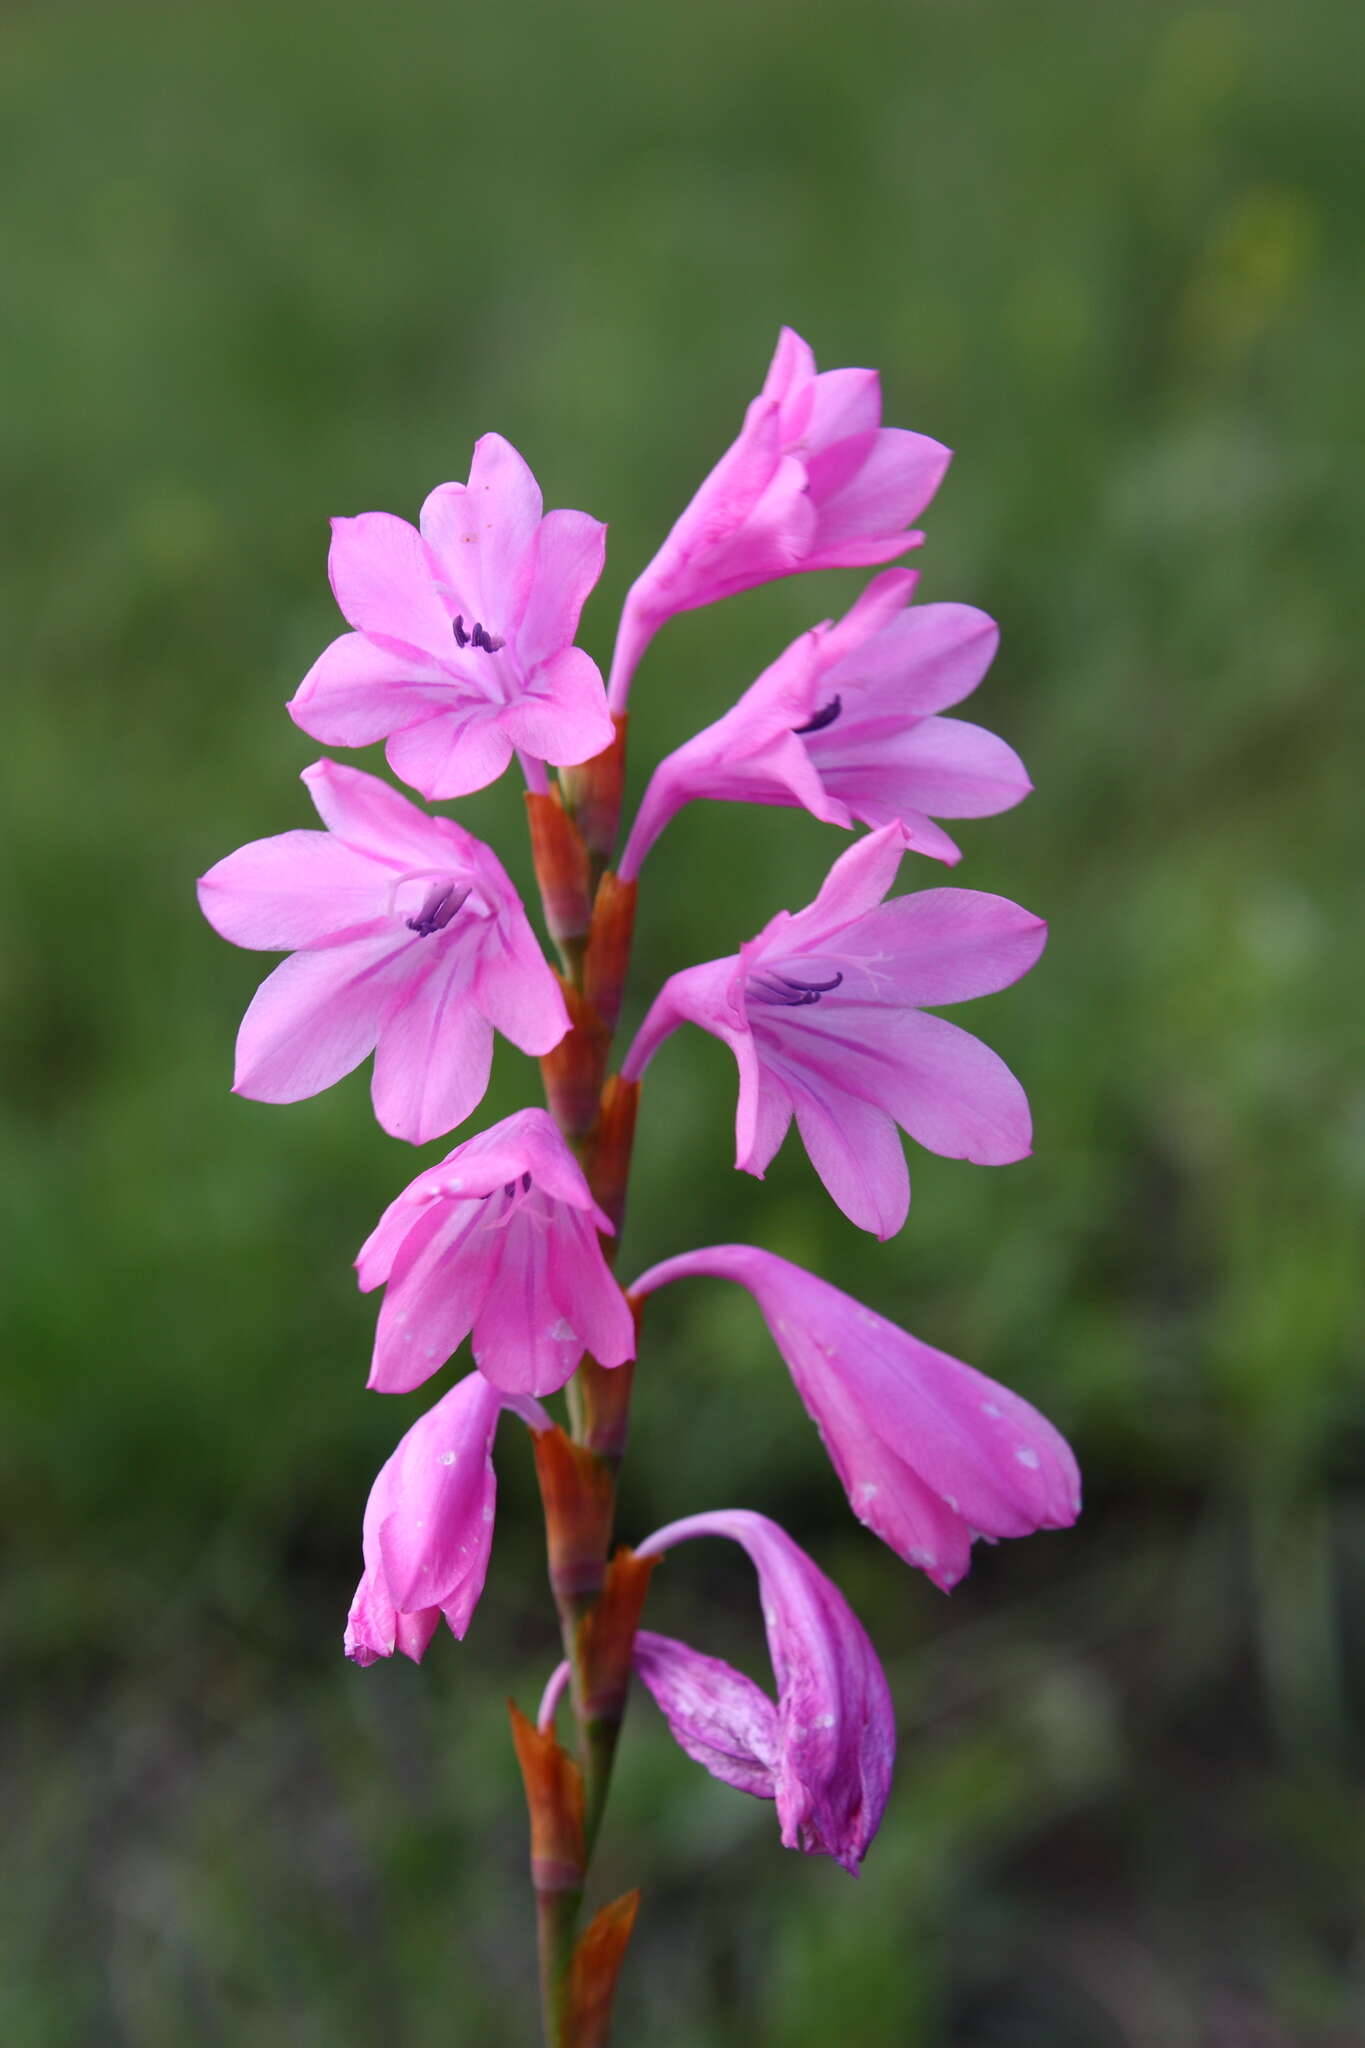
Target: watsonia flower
<point>822,1012</point>
<point>429,1524</point>
<point>824,1751</point>
<point>929,1451</point>
<point>463,642</point>
<point>845,725</point>
<point>406,939</point>
<point>500,1239</point>
<point>814,481</point>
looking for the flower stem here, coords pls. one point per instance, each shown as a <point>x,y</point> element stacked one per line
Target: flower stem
<point>599,1601</point>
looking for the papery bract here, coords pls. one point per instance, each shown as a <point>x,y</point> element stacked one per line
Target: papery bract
<point>930,1451</point>
<point>463,642</point>
<point>845,725</point>
<point>814,481</point>
<point>429,1525</point>
<point>826,1750</point>
<point>407,940</point>
<point>499,1240</point>
<point>822,1013</point>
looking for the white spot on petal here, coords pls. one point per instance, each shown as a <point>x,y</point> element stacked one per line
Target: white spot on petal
<point>925,1559</point>
<point>991,1408</point>
<point>868,1489</point>
<point>950,1500</point>
<point>1025,1457</point>
<point>824,1720</point>
<point>564,1332</point>
<point>447,1457</point>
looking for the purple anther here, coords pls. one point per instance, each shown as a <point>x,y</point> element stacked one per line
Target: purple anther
<point>785,992</point>
<point>457,628</point>
<point>822,718</point>
<point>442,901</point>
<point>526,1183</point>
<point>484,639</point>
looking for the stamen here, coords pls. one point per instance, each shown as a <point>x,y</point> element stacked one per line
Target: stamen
<point>526,1183</point>
<point>486,642</point>
<point>442,901</point>
<point>784,991</point>
<point>822,718</point>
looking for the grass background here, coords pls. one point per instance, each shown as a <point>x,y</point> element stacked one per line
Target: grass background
<point>272,262</point>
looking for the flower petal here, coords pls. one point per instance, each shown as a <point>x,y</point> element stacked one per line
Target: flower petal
<point>856,1150</point>
<point>381,577</point>
<point>297,889</point>
<point>434,1054</point>
<point>719,1717</point>
<point>955,1096</point>
<point>453,753</point>
<point>357,692</point>
<point>947,945</point>
<point>563,718</point>
<point>570,551</point>
<point>316,1017</point>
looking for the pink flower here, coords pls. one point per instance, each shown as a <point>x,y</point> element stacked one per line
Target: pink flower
<point>815,481</point>
<point>844,724</point>
<point>822,1013</point>
<point>930,1452</point>
<point>429,1525</point>
<point>407,940</point>
<point>500,1239</point>
<point>463,643</point>
<point>824,1752</point>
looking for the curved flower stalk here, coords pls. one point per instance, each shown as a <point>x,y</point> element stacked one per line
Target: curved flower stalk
<point>462,648</point>
<point>499,1240</point>
<point>814,481</point>
<point>825,1751</point>
<point>822,1012</point>
<point>845,725</point>
<point>429,1524</point>
<point>406,939</point>
<point>930,1452</point>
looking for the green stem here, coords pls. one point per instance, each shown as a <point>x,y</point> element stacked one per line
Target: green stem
<point>556,1928</point>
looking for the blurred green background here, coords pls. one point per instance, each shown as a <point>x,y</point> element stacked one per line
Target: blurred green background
<point>273,262</point>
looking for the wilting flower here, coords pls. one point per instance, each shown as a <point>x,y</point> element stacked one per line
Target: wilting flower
<point>824,1752</point>
<point>500,1239</point>
<point>463,648</point>
<point>930,1452</point>
<point>844,724</point>
<point>407,940</point>
<point>429,1525</point>
<point>822,1013</point>
<point>815,481</point>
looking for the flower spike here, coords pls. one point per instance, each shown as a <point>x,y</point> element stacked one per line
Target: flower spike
<point>822,1012</point>
<point>814,481</point>
<point>929,1451</point>
<point>462,648</point>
